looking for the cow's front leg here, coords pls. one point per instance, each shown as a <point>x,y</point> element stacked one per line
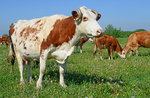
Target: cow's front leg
<point>131,51</point>
<point>43,59</point>
<point>62,69</point>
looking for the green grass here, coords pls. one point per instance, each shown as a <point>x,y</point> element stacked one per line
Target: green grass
<point>85,76</point>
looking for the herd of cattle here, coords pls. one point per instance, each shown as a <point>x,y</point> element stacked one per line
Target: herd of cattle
<point>55,37</point>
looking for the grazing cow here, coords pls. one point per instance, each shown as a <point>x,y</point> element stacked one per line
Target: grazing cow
<point>107,42</point>
<point>136,40</point>
<point>81,42</point>
<point>5,40</point>
<point>51,37</point>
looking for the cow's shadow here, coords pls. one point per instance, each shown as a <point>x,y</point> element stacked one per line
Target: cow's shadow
<point>79,79</point>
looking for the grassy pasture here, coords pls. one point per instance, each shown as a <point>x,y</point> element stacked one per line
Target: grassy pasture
<point>86,76</point>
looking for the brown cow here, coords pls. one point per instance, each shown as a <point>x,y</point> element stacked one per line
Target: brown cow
<point>5,40</point>
<point>82,42</point>
<point>136,40</point>
<point>107,42</point>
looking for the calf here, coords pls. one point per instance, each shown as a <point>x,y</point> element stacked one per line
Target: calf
<point>136,40</point>
<point>107,42</point>
<point>51,37</point>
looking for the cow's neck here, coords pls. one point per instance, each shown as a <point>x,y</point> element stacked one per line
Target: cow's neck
<point>126,49</point>
<point>75,39</point>
<point>118,48</point>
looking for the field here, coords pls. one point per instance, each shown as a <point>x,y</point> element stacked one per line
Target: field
<point>86,76</point>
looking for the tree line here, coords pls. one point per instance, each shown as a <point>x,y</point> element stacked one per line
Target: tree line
<point>111,30</point>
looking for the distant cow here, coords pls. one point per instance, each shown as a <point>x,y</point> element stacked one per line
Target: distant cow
<point>51,37</point>
<point>107,42</point>
<point>136,40</point>
<point>5,40</point>
<point>82,42</point>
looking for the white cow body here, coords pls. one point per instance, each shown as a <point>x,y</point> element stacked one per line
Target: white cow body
<point>32,44</point>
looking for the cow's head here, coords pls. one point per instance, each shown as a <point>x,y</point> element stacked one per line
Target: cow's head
<point>122,55</point>
<point>124,52</point>
<point>86,20</point>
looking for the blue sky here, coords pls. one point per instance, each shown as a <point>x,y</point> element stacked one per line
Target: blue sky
<point>124,14</point>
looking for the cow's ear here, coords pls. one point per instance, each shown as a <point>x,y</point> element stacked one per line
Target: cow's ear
<point>98,16</point>
<point>74,14</point>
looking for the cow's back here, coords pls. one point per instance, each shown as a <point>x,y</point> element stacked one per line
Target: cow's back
<point>27,35</point>
<point>106,40</point>
<point>139,39</point>
<point>143,38</point>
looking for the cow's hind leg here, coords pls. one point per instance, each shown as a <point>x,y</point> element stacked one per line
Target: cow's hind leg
<point>11,57</point>
<point>110,52</point>
<point>62,68</point>
<point>100,52</point>
<point>81,48</point>
<point>137,52</point>
<point>76,49</point>
<point>20,65</point>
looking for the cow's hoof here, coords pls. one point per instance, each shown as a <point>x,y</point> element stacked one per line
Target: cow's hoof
<point>22,83</point>
<point>101,59</point>
<point>38,87</point>
<point>63,85</point>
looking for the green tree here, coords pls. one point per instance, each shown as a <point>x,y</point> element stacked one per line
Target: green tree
<point>5,34</point>
<point>111,30</point>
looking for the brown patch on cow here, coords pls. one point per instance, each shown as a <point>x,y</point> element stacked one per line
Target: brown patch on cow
<point>27,54</point>
<point>41,24</point>
<point>38,21</point>
<point>27,31</point>
<point>36,38</point>
<point>63,31</point>
<point>11,31</point>
<point>24,46</point>
<point>21,33</point>
<point>20,42</point>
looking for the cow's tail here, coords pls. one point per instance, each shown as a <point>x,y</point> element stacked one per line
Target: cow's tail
<point>11,55</point>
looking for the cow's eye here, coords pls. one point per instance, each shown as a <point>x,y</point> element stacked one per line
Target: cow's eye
<point>85,19</point>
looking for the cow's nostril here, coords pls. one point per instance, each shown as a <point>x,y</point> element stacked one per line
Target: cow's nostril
<point>99,31</point>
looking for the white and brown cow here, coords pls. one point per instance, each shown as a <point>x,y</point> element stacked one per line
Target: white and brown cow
<point>51,37</point>
<point>136,40</point>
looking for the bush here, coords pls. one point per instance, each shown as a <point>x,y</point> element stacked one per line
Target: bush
<point>111,30</point>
